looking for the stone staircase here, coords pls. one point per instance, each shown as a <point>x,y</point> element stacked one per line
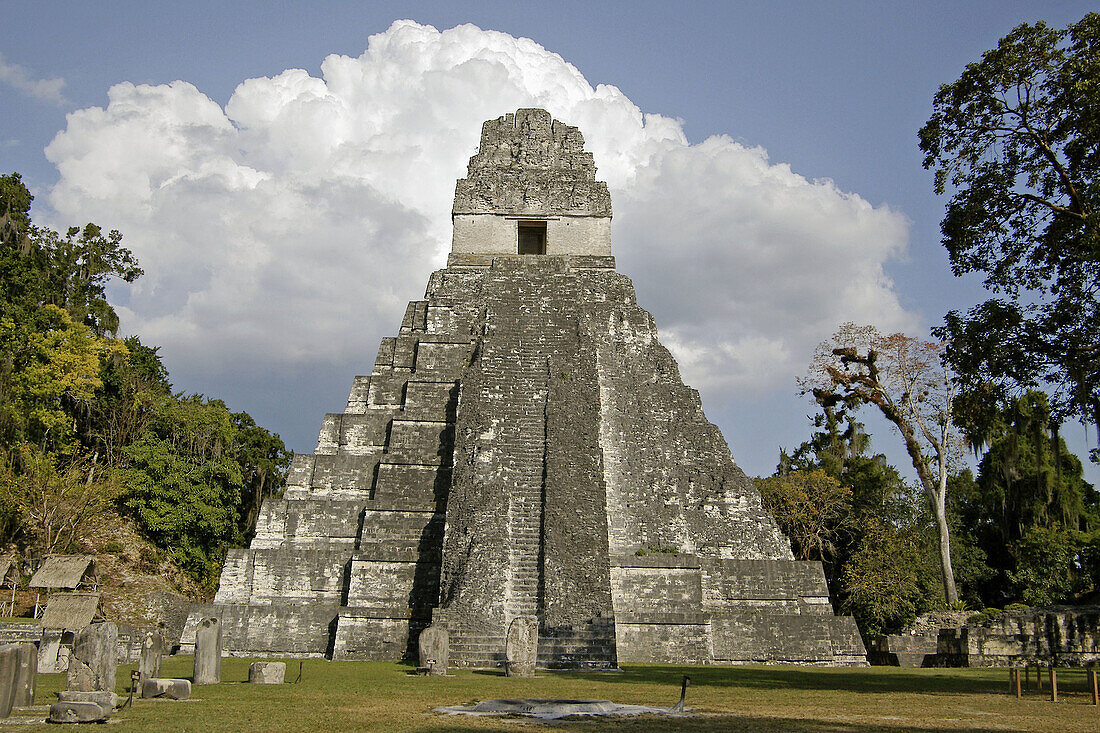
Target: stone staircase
<point>590,645</point>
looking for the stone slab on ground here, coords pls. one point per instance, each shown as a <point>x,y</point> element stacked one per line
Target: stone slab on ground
<point>267,673</point>
<point>169,689</point>
<point>77,712</point>
<point>106,700</point>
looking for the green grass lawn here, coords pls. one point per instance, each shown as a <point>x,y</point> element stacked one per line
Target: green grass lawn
<point>383,696</point>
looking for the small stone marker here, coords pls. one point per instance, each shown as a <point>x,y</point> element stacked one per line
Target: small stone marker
<point>106,700</point>
<point>93,659</point>
<point>77,712</point>
<point>9,667</point>
<point>152,650</point>
<point>267,673</point>
<point>521,646</point>
<point>26,675</point>
<point>166,688</point>
<point>434,649</point>
<point>208,652</point>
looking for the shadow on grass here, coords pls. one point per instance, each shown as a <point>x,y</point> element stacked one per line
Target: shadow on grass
<point>873,680</point>
<point>715,723</point>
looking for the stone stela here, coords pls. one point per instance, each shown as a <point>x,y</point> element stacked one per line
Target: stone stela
<point>524,447</point>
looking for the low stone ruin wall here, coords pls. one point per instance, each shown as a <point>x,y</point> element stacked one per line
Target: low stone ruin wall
<point>1061,636</point>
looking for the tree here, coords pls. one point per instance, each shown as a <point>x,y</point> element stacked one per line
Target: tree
<point>812,509</point>
<point>1017,140</point>
<point>910,383</point>
<point>887,582</point>
<point>56,498</point>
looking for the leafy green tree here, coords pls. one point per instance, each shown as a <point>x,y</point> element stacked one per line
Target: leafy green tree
<point>1045,560</point>
<point>890,579</point>
<point>183,485</point>
<point>812,509</point>
<point>1028,477</point>
<point>1016,139</point>
<point>46,370</point>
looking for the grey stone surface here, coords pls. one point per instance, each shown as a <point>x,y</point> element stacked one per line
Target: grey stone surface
<point>524,446</point>
<point>152,650</point>
<point>434,649</point>
<point>9,669</point>
<point>208,652</point>
<point>529,163</point>
<point>77,712</point>
<point>53,656</point>
<point>26,675</point>
<point>93,659</point>
<point>521,647</point>
<point>170,689</point>
<point>1062,636</point>
<point>553,709</point>
<point>267,673</point>
<point>106,700</point>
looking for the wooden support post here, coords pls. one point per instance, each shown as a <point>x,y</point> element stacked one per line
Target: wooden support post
<point>1092,686</point>
<point>1039,677</point>
<point>1053,684</point>
<point>1016,675</point>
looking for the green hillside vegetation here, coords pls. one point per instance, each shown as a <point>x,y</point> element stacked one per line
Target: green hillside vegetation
<point>91,432</point>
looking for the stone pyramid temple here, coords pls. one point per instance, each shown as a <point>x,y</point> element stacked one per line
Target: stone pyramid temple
<point>525,447</point>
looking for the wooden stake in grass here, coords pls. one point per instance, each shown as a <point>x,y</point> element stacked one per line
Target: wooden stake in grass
<point>1053,684</point>
<point>1016,674</point>
<point>1039,677</point>
<point>1092,685</point>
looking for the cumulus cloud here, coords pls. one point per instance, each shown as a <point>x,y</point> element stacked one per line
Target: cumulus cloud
<point>292,226</point>
<point>22,79</point>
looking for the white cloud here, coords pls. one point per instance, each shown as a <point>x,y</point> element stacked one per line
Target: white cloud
<point>292,226</point>
<point>21,79</point>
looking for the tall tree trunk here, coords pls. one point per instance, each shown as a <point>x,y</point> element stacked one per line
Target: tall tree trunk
<point>949,591</point>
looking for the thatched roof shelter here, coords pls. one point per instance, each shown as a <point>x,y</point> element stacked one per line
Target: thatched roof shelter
<point>67,572</point>
<point>70,611</point>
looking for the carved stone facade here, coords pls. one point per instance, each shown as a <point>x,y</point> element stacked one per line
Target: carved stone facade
<point>525,447</point>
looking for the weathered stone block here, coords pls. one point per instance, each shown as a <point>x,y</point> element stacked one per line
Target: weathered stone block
<point>208,652</point>
<point>26,675</point>
<point>267,673</point>
<point>9,669</point>
<point>169,689</point>
<point>152,650</point>
<point>106,700</point>
<point>522,646</point>
<point>93,659</point>
<point>77,712</point>
<point>434,649</point>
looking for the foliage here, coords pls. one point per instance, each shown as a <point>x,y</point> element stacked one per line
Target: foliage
<point>1045,560</point>
<point>87,419</point>
<point>1017,140</point>
<point>47,370</point>
<point>911,385</point>
<point>1029,485</point>
<point>812,509</point>
<point>888,581</point>
<point>56,498</point>
<point>184,476</point>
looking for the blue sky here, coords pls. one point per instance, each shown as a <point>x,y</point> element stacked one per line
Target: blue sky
<point>833,90</point>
